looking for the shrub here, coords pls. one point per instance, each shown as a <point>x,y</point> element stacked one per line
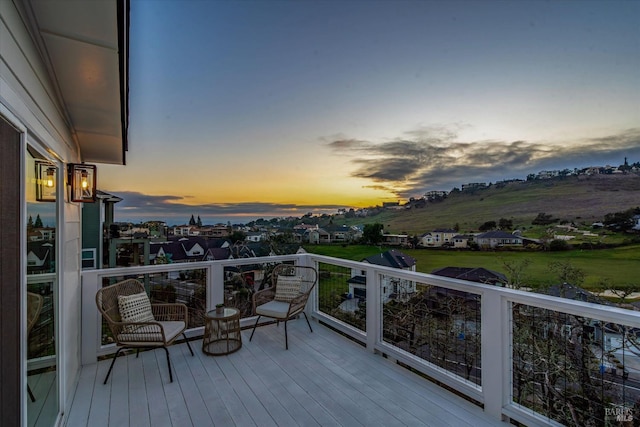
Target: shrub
<point>543,219</point>
<point>559,245</point>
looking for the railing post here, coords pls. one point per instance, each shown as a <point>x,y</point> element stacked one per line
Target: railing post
<point>306,261</point>
<point>495,352</point>
<point>374,317</point>
<point>90,317</point>
<point>215,286</point>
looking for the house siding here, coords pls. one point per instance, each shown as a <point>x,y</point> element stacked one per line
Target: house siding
<point>29,98</point>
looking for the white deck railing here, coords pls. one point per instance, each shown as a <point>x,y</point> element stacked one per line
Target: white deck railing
<point>495,387</point>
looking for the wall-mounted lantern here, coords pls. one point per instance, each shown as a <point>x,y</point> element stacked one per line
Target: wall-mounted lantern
<point>46,180</point>
<point>82,179</point>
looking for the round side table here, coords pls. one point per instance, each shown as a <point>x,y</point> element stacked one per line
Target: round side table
<point>222,332</point>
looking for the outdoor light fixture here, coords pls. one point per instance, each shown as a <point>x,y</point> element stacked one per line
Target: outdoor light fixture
<point>46,174</point>
<point>82,179</point>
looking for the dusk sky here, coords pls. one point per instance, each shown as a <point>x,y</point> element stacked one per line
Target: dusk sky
<point>249,109</point>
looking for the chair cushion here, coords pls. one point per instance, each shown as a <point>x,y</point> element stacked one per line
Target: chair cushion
<point>287,288</point>
<point>276,309</point>
<point>142,336</point>
<point>135,308</point>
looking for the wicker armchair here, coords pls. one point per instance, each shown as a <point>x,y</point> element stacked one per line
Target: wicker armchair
<point>169,321</point>
<point>34,307</point>
<point>287,296</point>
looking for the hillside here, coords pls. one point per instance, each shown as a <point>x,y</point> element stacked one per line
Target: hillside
<point>583,199</point>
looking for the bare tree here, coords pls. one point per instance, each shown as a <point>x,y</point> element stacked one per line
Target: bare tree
<point>442,328</point>
<point>516,269</point>
<point>556,371</point>
<point>623,293</point>
<point>567,272</point>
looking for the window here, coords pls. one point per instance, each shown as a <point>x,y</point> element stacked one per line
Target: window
<point>89,259</point>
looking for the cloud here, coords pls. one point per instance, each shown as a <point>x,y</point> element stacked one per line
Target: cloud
<point>379,187</point>
<point>428,158</point>
<point>137,206</point>
<point>433,158</point>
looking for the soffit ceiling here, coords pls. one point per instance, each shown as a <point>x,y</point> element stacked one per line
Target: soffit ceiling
<point>80,40</point>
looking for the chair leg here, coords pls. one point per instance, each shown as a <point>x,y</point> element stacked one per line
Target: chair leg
<point>286,337</point>
<point>188,345</point>
<point>254,328</point>
<point>169,364</point>
<point>112,362</point>
<point>307,319</point>
<point>31,396</point>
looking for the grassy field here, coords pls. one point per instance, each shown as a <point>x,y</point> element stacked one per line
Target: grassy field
<point>582,200</point>
<point>606,268</point>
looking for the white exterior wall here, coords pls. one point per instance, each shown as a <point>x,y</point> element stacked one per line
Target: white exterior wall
<point>405,287</point>
<point>28,97</point>
<point>254,237</point>
<point>460,243</point>
<point>426,240</point>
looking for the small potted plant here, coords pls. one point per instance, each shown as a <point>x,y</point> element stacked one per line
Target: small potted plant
<point>219,308</point>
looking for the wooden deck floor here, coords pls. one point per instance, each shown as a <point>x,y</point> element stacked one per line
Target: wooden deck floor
<point>45,408</point>
<point>323,379</point>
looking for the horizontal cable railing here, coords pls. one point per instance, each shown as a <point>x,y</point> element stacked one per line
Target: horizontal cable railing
<point>199,285</point>
<point>526,356</point>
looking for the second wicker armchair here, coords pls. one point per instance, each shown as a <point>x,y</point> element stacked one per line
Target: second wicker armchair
<point>287,296</point>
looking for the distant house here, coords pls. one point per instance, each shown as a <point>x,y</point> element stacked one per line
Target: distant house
<point>392,288</point>
<point>341,233</point>
<point>218,230</point>
<point>356,232</point>
<point>393,258</point>
<point>461,241</point>
<point>189,249</point>
<point>435,195</point>
<point>438,237</point>
<point>317,236</point>
<point>45,233</point>
<point>395,239</point>
<point>636,222</point>
<point>135,233</point>
<point>474,186</point>
<point>472,274</point>
<point>299,236</point>
<point>193,249</point>
<point>566,290</point>
<point>164,252</point>
<point>497,238</point>
<point>256,236</point>
<point>426,240</point>
<point>217,253</point>
<point>263,249</point>
<point>250,249</point>
<point>40,257</point>
<point>41,234</point>
<point>305,226</point>
<point>548,174</point>
<point>185,230</point>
